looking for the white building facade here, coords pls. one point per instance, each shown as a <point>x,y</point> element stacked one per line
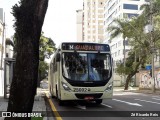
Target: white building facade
<point>2,54</point>
<point>93,22</point>
<point>79,25</point>
<point>119,9</point>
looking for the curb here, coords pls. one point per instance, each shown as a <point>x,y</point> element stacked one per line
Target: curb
<point>138,91</point>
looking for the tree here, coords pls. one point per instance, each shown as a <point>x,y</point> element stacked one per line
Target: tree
<point>133,31</point>
<point>46,49</point>
<point>29,17</point>
<point>121,28</point>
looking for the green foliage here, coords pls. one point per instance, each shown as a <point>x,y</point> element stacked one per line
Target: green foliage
<point>121,27</point>
<point>129,66</point>
<point>18,11</point>
<point>139,41</point>
<point>43,69</point>
<point>36,118</point>
<point>46,49</point>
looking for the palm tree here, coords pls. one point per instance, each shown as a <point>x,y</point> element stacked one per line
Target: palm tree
<point>121,28</point>
<point>133,31</point>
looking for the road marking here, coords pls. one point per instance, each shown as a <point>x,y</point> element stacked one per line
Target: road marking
<point>155,99</point>
<point>147,101</point>
<point>156,96</point>
<point>106,105</point>
<point>136,104</point>
<point>58,117</point>
<point>125,93</point>
<point>143,95</point>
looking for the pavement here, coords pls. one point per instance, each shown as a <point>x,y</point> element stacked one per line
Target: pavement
<point>39,102</point>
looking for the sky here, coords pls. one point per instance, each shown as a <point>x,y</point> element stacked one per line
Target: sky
<point>60,19</point>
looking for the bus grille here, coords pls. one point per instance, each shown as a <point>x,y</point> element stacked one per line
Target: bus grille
<point>95,96</point>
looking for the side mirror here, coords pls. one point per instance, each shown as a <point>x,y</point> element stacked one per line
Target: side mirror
<point>58,57</point>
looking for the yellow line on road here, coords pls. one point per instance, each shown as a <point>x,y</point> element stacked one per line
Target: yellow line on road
<point>58,117</point>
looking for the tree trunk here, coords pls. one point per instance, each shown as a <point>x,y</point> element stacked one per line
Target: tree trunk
<point>29,17</point>
<point>133,72</point>
<point>129,77</point>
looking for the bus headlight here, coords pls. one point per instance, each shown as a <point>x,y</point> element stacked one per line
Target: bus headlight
<point>65,86</point>
<point>109,87</point>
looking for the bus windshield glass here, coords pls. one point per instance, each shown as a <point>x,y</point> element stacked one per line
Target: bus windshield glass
<point>86,66</point>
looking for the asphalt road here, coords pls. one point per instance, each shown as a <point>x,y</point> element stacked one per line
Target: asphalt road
<point>123,106</point>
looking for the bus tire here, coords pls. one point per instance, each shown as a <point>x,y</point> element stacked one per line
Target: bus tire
<point>57,93</point>
<point>99,101</point>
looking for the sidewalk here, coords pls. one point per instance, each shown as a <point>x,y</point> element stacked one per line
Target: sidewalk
<point>135,89</point>
<point>39,103</point>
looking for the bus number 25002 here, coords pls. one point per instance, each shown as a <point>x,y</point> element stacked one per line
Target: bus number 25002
<point>81,89</point>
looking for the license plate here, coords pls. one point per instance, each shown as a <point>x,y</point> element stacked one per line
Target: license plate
<point>81,89</point>
<point>89,98</point>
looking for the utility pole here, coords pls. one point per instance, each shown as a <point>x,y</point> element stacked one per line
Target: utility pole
<point>150,30</point>
<point>152,45</point>
<point>124,57</point>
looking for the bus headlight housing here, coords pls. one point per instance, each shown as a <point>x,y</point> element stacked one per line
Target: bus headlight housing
<point>65,86</point>
<point>109,87</point>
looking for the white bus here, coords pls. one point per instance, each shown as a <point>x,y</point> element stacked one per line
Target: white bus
<point>81,71</point>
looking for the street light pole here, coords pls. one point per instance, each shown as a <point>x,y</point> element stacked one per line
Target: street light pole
<point>124,57</point>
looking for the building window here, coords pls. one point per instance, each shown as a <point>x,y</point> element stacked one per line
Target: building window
<point>130,6</point>
<point>129,15</point>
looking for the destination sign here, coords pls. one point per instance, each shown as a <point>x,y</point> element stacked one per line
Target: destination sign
<point>85,47</point>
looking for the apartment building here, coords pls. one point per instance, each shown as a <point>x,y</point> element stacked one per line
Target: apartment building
<point>119,9</point>
<point>79,25</point>
<point>93,20</point>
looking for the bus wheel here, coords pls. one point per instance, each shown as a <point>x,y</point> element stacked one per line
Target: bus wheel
<point>57,93</point>
<point>99,101</point>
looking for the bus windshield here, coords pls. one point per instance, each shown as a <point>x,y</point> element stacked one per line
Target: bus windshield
<point>86,66</point>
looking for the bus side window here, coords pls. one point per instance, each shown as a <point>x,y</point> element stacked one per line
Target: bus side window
<point>54,65</point>
<point>57,57</point>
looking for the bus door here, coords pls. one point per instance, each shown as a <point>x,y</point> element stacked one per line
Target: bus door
<point>58,74</point>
